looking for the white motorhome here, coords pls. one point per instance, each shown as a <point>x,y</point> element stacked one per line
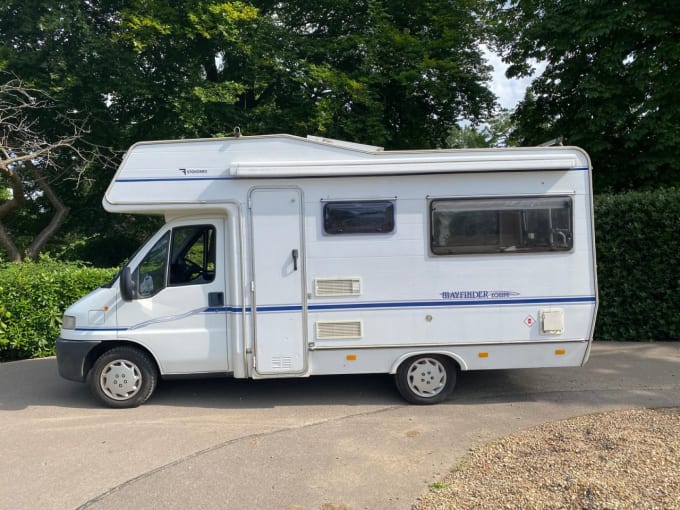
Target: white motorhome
<point>290,257</point>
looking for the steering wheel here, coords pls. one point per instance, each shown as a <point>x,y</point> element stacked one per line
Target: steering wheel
<point>193,270</point>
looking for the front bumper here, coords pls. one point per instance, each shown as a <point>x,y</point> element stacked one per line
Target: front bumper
<point>72,358</point>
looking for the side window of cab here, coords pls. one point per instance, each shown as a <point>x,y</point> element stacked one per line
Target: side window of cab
<point>192,257</point>
<point>183,256</point>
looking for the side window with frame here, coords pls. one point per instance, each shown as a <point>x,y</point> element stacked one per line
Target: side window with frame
<point>500,225</point>
<point>192,255</point>
<point>190,251</point>
<point>358,217</point>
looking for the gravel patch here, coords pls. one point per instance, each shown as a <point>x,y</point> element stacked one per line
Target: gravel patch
<point>619,460</point>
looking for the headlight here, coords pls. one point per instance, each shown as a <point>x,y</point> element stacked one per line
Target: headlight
<point>68,322</point>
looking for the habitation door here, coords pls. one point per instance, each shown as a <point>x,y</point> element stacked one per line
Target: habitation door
<point>278,281</point>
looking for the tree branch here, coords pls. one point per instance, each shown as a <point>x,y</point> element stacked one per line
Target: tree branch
<point>28,156</point>
<point>60,214</point>
<point>13,252</point>
<point>18,200</point>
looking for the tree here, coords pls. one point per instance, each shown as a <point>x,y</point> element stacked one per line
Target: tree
<point>29,161</point>
<point>393,73</point>
<point>498,131</point>
<point>610,82</point>
<point>74,52</point>
<point>386,73</point>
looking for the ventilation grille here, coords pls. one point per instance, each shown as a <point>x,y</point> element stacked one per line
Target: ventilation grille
<point>281,363</point>
<point>337,286</point>
<point>338,329</point>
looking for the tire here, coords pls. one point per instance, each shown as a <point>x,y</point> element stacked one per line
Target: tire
<point>123,377</point>
<point>426,379</point>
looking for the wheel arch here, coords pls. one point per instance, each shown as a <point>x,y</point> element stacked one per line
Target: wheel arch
<point>105,346</point>
<point>458,360</point>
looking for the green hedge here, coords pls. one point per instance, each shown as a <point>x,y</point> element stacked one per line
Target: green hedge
<point>33,297</point>
<point>638,265</point>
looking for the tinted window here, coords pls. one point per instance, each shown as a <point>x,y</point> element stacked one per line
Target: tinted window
<point>362,217</point>
<point>489,225</point>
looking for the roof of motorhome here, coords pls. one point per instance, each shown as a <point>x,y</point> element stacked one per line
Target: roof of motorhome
<point>156,177</point>
<point>292,156</point>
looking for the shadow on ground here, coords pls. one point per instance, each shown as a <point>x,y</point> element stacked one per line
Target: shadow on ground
<point>36,383</point>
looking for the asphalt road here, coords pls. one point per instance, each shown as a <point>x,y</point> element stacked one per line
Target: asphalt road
<point>344,442</point>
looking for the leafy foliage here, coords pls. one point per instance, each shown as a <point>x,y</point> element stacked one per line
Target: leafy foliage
<point>609,86</point>
<point>638,261</point>
<point>33,297</point>
<point>29,161</point>
<point>389,73</point>
<point>466,137</point>
<point>498,131</point>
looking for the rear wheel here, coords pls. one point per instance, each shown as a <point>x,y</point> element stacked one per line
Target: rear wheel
<point>426,379</point>
<point>123,377</point>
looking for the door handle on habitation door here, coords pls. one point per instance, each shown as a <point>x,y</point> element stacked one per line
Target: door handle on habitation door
<point>295,258</point>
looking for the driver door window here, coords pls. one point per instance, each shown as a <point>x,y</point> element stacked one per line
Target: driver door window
<point>192,255</point>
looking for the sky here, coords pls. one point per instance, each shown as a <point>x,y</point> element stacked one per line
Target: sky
<point>509,92</point>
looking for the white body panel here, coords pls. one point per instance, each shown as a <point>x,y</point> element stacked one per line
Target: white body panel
<point>177,322</point>
<point>265,196</point>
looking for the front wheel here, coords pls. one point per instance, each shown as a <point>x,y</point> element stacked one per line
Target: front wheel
<point>123,377</point>
<point>426,379</point>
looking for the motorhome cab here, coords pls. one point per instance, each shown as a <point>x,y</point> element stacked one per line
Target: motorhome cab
<point>291,257</point>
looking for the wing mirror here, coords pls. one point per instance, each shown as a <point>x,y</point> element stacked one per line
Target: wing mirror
<point>127,285</point>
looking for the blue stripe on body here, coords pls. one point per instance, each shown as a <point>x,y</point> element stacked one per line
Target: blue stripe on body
<point>443,303</point>
<point>172,179</point>
<point>387,305</point>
